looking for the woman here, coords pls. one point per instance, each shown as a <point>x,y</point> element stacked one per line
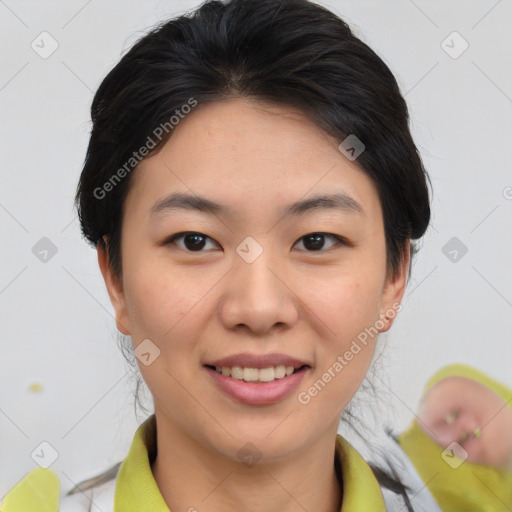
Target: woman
<point>253,190</point>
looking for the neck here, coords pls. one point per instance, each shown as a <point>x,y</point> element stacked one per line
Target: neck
<point>192,477</point>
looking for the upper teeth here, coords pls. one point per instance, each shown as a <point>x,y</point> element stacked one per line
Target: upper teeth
<point>256,374</point>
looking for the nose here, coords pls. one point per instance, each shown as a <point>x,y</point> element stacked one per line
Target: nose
<point>259,296</point>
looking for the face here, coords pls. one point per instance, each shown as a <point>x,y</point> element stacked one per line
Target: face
<point>254,287</point>
<point>456,407</point>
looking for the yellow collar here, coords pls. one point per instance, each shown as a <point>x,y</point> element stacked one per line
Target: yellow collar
<point>136,488</point>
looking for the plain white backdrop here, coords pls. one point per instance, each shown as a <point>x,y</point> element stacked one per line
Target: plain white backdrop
<point>62,379</point>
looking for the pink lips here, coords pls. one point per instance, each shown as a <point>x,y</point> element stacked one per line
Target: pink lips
<point>247,360</point>
<point>258,393</point>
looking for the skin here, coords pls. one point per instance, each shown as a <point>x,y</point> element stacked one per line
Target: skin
<point>196,307</point>
<point>452,410</point>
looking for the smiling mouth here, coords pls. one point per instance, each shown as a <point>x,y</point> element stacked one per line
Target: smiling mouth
<point>261,375</point>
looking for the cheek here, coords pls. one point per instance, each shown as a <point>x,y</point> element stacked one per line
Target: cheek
<point>157,300</point>
<point>167,310</point>
<point>351,308</point>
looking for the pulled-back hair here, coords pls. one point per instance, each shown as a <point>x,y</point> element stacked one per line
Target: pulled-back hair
<point>290,52</point>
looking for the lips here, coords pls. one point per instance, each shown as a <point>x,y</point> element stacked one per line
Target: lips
<point>247,378</point>
<point>257,392</point>
<point>247,360</point>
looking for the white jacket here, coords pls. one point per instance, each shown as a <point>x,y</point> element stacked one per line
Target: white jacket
<point>99,498</point>
<point>394,461</point>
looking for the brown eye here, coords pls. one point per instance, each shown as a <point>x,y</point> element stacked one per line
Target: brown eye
<point>192,241</point>
<point>315,242</point>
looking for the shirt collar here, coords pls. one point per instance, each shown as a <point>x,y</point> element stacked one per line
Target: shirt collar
<point>136,488</point>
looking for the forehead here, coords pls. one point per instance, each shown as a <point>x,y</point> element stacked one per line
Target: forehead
<point>246,153</point>
<point>249,123</point>
<point>460,390</point>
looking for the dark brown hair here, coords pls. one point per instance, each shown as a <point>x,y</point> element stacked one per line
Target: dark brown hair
<point>289,52</point>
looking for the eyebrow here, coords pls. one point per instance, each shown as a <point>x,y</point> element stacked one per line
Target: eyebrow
<point>180,201</point>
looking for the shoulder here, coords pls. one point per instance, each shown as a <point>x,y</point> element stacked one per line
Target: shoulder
<point>37,491</point>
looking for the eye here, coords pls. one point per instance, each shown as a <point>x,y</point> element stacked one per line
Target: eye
<point>193,241</point>
<point>314,242</point>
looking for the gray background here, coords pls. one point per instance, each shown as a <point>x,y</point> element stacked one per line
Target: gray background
<point>58,330</point>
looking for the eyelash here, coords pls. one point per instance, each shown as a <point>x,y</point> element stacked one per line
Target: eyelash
<point>341,241</point>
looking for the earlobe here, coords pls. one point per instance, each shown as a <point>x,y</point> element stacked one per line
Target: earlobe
<point>394,291</point>
<point>114,288</point>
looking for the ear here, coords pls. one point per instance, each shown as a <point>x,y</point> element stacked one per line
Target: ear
<point>393,291</point>
<point>114,288</point>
